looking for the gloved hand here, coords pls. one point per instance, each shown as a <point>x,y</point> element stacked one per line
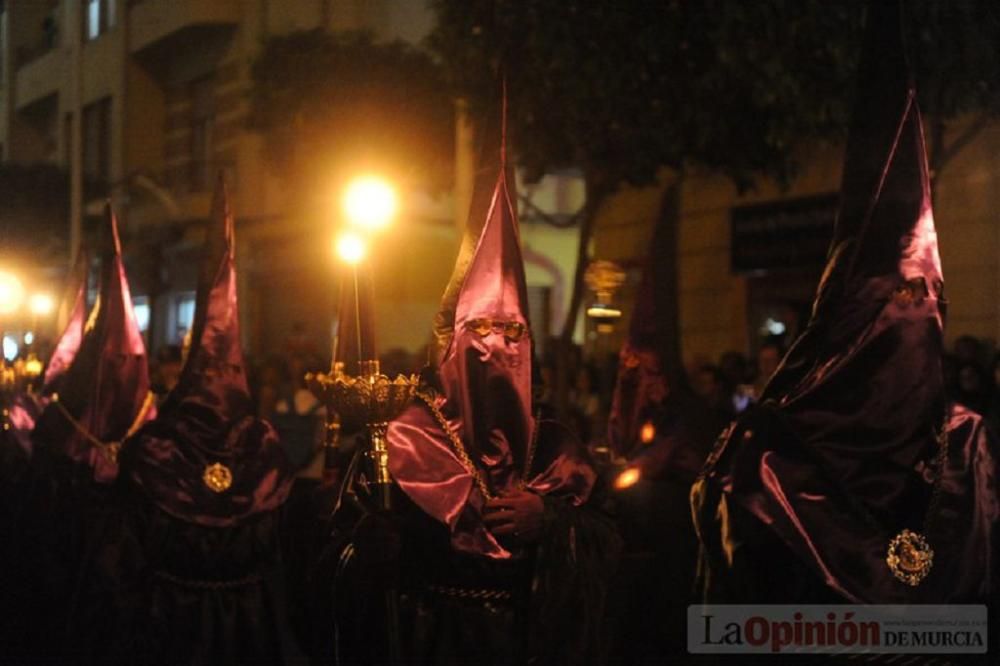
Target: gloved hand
<point>519,515</point>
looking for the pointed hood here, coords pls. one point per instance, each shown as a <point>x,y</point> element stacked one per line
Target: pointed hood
<point>69,342</point>
<point>879,313</point>
<point>206,458</point>
<point>214,372</point>
<point>657,425</point>
<point>485,371</point>
<point>484,377</point>
<point>104,394</point>
<point>836,458</point>
<point>491,162</point>
<point>641,388</point>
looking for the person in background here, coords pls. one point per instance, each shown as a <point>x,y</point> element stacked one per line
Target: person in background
<point>299,343</point>
<point>708,386</point>
<point>735,376</point>
<point>272,383</point>
<point>586,402</point>
<point>768,359</point>
<point>974,388</point>
<point>969,350</point>
<point>299,416</point>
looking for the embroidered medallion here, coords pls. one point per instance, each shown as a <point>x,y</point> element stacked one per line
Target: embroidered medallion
<point>217,477</point>
<point>910,557</point>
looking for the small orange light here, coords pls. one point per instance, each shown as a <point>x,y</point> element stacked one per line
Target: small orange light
<point>628,478</point>
<point>33,367</point>
<point>647,433</point>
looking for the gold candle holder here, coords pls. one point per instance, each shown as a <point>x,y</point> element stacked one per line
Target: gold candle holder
<point>370,400</point>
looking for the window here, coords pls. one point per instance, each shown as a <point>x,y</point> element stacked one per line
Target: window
<point>98,17</point>
<point>202,122</point>
<point>140,304</point>
<point>183,316</point>
<point>97,140</point>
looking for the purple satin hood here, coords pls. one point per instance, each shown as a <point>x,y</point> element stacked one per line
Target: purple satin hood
<point>69,342</point>
<point>487,379</point>
<point>835,460</point>
<point>486,395</point>
<point>641,388</point>
<point>208,418</point>
<point>106,385</point>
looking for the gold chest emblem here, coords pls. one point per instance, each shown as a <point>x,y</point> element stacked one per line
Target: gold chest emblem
<point>910,557</point>
<point>217,477</point>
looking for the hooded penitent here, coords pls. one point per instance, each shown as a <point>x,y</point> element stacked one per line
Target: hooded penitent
<point>484,372</point>
<point>641,387</point>
<point>206,458</point>
<point>842,455</point>
<point>24,407</point>
<point>653,424</point>
<point>103,395</point>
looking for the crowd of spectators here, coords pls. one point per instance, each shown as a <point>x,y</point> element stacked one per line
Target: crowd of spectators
<point>723,388</point>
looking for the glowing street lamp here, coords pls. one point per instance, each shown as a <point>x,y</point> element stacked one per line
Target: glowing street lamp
<point>11,293</point>
<point>351,248</point>
<point>370,202</point>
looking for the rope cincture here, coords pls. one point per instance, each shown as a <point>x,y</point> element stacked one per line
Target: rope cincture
<point>251,579</point>
<point>108,449</point>
<point>463,455</point>
<point>470,594</point>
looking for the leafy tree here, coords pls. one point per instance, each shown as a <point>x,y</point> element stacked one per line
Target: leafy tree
<point>955,57</point>
<point>332,104</point>
<point>624,90</point>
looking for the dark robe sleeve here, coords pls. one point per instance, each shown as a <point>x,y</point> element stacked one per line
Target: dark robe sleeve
<point>574,565</point>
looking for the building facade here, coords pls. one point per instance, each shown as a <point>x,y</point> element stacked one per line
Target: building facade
<point>749,263</point>
<point>152,98</point>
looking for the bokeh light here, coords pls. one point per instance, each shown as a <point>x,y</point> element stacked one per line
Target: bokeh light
<point>351,248</point>
<point>11,293</point>
<point>628,478</point>
<point>41,304</point>
<point>10,347</point>
<point>370,202</point>
<point>647,433</point>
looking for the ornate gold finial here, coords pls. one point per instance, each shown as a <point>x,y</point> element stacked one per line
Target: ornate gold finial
<point>604,278</point>
<point>217,477</point>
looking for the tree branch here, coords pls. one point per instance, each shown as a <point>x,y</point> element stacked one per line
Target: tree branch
<point>588,215</point>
